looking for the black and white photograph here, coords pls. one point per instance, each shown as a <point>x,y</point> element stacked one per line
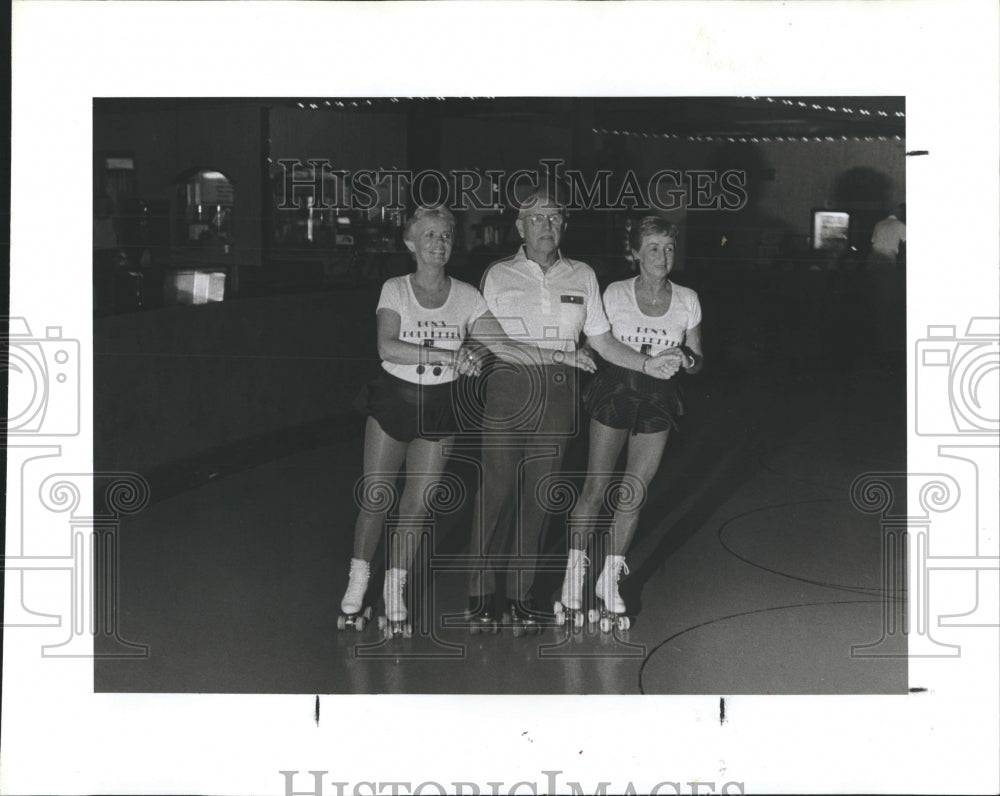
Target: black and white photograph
<point>538,395</point>
<point>397,404</point>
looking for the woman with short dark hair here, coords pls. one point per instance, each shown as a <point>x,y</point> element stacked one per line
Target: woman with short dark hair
<point>654,316</point>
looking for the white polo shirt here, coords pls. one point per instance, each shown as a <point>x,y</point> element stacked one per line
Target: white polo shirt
<point>651,334</point>
<point>546,308</point>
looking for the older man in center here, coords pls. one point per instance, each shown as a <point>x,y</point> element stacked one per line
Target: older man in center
<point>544,302</point>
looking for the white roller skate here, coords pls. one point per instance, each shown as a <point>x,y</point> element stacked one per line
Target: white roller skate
<point>394,598</point>
<point>612,611</point>
<point>569,609</point>
<point>353,611</point>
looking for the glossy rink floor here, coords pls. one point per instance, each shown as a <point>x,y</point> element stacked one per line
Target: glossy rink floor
<point>752,572</point>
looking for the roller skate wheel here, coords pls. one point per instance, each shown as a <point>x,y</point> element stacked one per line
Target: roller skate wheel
<point>624,623</point>
<point>560,617</point>
<point>341,622</point>
<point>383,623</point>
<point>368,613</point>
<point>593,615</point>
<point>578,619</point>
<point>518,631</point>
<point>407,631</point>
<point>359,624</point>
<point>605,624</point>
<point>494,627</point>
<point>474,628</point>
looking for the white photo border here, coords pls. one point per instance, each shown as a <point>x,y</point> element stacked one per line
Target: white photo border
<point>60,737</point>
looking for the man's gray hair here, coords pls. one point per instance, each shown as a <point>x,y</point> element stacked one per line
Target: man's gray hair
<point>541,199</point>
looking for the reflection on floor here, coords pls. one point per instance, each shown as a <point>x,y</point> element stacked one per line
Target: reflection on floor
<point>752,571</point>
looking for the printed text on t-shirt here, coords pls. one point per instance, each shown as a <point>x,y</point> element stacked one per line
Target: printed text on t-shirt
<point>647,335</point>
<point>436,330</point>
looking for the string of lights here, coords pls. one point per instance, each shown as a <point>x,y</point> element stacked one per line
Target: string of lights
<point>747,139</point>
<point>816,106</point>
<point>316,104</point>
<point>743,139</point>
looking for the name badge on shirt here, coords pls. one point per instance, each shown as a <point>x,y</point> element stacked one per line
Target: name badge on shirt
<point>571,299</point>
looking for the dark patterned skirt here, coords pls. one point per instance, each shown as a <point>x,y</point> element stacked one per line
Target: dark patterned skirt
<point>406,411</point>
<point>627,399</point>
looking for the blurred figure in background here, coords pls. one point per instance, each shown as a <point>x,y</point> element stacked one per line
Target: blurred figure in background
<point>889,239</point>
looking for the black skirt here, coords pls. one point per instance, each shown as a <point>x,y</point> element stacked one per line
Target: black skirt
<point>627,399</point>
<point>406,411</point>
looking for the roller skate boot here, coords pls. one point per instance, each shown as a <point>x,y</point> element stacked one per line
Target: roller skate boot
<point>482,614</point>
<point>612,606</point>
<point>394,599</point>
<point>569,609</point>
<point>525,617</point>
<point>353,611</point>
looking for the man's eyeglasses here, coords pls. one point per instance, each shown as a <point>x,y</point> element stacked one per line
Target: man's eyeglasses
<point>540,219</point>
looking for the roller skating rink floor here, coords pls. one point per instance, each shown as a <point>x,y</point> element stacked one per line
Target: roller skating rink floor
<point>752,571</point>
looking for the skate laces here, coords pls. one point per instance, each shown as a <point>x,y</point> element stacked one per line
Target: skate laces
<point>395,582</point>
<point>359,577</point>
<point>618,568</point>
<point>576,572</point>
<point>357,585</point>
<point>607,583</point>
<point>359,567</point>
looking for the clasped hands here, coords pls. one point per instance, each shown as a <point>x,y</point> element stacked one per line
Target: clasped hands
<point>469,362</point>
<point>466,361</point>
<point>665,364</point>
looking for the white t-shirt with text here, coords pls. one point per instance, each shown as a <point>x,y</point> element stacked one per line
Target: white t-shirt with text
<point>444,327</point>
<point>650,334</point>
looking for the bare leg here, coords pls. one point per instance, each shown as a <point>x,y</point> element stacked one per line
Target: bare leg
<point>425,462</point>
<point>382,460</point>
<point>644,454</point>
<point>605,446</point>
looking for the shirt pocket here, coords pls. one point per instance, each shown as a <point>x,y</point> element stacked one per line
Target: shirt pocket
<point>572,312</point>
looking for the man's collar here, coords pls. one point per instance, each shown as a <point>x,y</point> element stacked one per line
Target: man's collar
<point>522,256</point>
